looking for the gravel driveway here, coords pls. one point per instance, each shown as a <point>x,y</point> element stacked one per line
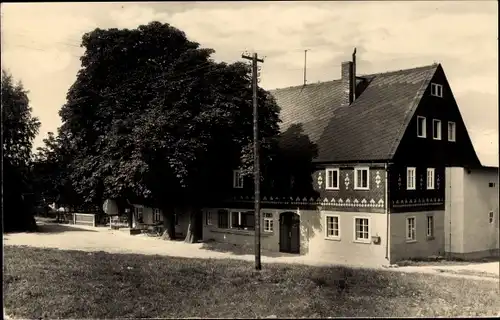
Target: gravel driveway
<point>70,237</point>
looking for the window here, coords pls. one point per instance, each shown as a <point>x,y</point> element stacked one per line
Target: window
<point>156,215</point>
<point>451,131</point>
<point>208,217</point>
<point>332,227</point>
<point>243,220</point>
<point>410,178</point>
<point>139,214</point>
<point>436,129</point>
<point>430,226</point>
<point>491,184</point>
<point>436,90</point>
<point>268,222</point>
<point>237,179</point>
<point>430,178</point>
<point>361,231</point>
<point>332,179</point>
<point>223,219</point>
<point>410,229</point>
<point>421,127</point>
<point>361,179</point>
<point>491,217</point>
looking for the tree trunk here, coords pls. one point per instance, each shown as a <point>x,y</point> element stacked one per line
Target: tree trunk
<point>168,224</point>
<point>193,234</point>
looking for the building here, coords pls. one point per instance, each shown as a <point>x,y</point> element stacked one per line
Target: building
<point>389,149</point>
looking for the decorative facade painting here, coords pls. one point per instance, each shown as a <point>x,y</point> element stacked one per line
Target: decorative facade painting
<point>320,180</point>
<point>378,180</point>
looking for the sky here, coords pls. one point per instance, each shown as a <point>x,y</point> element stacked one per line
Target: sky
<point>40,45</point>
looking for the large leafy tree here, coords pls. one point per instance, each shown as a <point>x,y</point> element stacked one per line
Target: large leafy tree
<point>19,128</point>
<point>153,119</point>
<point>51,172</point>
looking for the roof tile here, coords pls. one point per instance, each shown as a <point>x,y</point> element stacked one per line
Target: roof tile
<point>370,128</point>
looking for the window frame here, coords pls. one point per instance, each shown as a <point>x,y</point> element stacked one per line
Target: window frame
<point>436,90</point>
<point>356,169</point>
<point>439,123</point>
<point>362,240</point>
<point>219,215</point>
<point>454,131</point>
<point>408,170</point>
<point>139,213</point>
<point>268,221</point>
<point>327,235</point>
<point>410,239</point>
<point>430,235</point>
<point>433,185</point>
<point>208,218</point>
<point>237,179</point>
<point>156,212</point>
<point>332,187</point>
<point>240,214</point>
<point>424,127</point>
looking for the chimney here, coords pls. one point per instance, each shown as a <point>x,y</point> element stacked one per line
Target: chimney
<point>347,83</point>
<point>349,80</point>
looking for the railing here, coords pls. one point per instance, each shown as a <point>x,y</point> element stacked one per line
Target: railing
<point>87,219</point>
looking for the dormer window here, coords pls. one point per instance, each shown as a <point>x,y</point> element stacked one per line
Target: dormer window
<point>237,179</point>
<point>421,127</point>
<point>436,129</point>
<point>436,90</point>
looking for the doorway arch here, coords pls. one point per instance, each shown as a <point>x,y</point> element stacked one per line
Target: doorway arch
<point>290,232</point>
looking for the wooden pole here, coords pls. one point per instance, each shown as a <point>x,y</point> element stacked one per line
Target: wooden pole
<point>255,59</point>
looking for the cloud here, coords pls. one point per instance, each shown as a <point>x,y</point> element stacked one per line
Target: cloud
<point>389,36</point>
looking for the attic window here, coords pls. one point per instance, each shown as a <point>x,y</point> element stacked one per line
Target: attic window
<point>421,127</point>
<point>436,129</point>
<point>451,131</point>
<point>436,90</point>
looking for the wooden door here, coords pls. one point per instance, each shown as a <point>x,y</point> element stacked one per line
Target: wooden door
<point>289,232</point>
<point>295,234</point>
<point>284,233</point>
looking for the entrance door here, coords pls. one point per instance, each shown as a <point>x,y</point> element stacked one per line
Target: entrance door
<point>290,232</point>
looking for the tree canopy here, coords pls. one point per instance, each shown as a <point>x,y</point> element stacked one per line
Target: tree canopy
<point>152,118</point>
<point>19,128</point>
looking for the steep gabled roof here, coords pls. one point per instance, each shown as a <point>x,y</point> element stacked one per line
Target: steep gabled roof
<point>369,129</point>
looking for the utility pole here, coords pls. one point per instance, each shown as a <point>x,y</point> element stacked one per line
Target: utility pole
<point>256,158</point>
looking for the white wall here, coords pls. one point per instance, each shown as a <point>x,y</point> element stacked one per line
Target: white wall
<point>454,210</point>
<point>479,233</point>
<point>469,199</point>
<point>346,250</point>
<point>313,242</point>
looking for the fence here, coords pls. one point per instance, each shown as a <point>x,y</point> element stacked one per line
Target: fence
<point>87,219</point>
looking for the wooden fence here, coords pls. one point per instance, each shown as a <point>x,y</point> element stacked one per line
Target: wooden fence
<point>87,219</point>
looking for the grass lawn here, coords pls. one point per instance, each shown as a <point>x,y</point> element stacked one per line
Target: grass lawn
<point>73,284</point>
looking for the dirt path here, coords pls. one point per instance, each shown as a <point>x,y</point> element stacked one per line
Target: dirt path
<point>69,237</point>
